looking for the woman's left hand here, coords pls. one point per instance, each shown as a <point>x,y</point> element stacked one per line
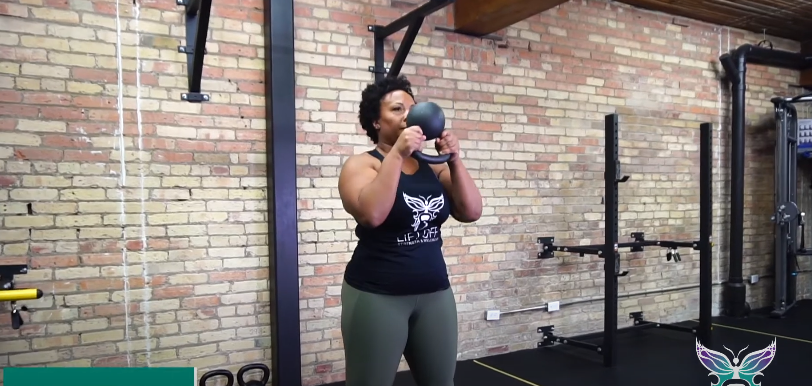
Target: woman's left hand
<point>448,144</point>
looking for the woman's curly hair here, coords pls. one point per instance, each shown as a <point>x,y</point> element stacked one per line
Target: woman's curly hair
<point>370,109</point>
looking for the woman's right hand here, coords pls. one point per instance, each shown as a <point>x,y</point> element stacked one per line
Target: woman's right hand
<point>410,140</point>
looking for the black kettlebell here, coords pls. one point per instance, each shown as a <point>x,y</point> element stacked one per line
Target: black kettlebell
<point>266,374</point>
<point>215,373</point>
<point>430,118</point>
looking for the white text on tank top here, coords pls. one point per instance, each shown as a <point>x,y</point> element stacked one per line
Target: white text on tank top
<point>424,210</point>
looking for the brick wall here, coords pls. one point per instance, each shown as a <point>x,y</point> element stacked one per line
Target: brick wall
<point>531,118</point>
<point>144,218</point>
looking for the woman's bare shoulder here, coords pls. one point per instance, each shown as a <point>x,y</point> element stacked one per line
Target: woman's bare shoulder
<point>360,161</point>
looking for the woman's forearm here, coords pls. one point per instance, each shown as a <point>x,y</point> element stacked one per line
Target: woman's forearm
<point>466,196</point>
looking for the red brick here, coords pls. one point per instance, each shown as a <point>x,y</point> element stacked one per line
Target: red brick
<point>173,292</point>
<point>66,141</point>
<point>234,147</point>
<point>36,98</point>
<point>7,124</point>
<point>87,155</point>
<point>32,154</point>
<point>10,96</point>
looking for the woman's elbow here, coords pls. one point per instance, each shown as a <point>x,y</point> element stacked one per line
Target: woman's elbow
<point>363,217</point>
<point>475,215</point>
<point>469,215</point>
<point>370,220</point>
<point>475,209</point>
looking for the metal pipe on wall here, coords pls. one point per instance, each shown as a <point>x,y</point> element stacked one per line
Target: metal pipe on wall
<point>632,294</point>
<point>735,65</point>
<point>627,295</point>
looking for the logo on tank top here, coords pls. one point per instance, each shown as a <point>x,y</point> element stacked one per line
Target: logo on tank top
<point>424,210</point>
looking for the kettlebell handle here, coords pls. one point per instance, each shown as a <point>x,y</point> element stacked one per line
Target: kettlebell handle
<point>431,120</point>
<point>215,373</point>
<point>432,159</point>
<point>266,374</point>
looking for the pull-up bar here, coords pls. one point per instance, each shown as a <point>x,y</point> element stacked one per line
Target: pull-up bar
<point>414,20</point>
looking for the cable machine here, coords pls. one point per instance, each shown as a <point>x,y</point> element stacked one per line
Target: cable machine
<point>793,139</point>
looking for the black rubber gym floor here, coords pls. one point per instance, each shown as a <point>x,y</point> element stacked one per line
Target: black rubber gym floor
<point>651,357</point>
<point>797,323</point>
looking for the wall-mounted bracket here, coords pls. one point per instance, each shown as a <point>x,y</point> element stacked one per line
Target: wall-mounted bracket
<point>197,29</point>
<point>413,20</point>
<point>10,294</point>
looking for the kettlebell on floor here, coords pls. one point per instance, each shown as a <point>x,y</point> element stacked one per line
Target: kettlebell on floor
<point>217,373</point>
<point>266,374</point>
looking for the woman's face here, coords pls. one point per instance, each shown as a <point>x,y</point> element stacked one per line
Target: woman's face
<point>394,108</point>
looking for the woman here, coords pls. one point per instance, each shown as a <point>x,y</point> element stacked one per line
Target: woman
<point>396,296</point>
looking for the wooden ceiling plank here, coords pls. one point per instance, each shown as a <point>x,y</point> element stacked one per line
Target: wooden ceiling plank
<point>693,11</point>
<point>754,9</point>
<point>482,17</point>
<point>682,10</point>
<point>781,18</point>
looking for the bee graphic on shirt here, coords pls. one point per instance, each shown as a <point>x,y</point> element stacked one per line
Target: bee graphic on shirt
<point>424,209</point>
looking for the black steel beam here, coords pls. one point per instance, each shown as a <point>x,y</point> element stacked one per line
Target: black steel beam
<point>649,243</point>
<point>639,321</point>
<point>666,326</point>
<point>728,65</point>
<point>413,20</point>
<point>620,331</point>
<point>280,112</point>
<point>786,218</point>
<point>405,47</point>
<point>598,249</point>
<point>735,292</point>
<point>197,16</point>
<point>579,250</point>
<point>634,244</point>
<point>549,248</point>
<point>611,269</point>
<point>796,99</point>
<point>548,338</point>
<point>678,244</point>
<point>774,58</point>
<point>13,269</point>
<point>705,232</point>
<point>577,343</point>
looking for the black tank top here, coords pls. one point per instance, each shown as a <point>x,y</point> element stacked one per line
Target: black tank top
<point>403,255</point>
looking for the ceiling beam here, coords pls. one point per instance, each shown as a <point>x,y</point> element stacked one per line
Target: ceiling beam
<point>483,17</point>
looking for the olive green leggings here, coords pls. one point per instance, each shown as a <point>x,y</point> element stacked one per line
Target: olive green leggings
<point>378,329</point>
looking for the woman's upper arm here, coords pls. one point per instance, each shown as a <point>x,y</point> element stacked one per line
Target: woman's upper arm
<point>355,175</point>
<point>441,171</point>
